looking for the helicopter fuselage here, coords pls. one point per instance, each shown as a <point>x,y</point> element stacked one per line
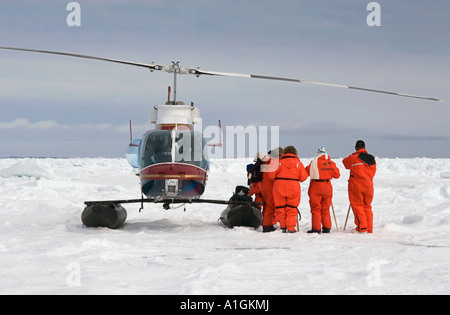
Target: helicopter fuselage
<point>171,159</point>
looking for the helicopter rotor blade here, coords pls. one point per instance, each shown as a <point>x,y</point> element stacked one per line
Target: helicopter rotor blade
<point>149,66</point>
<point>254,76</point>
<point>175,68</point>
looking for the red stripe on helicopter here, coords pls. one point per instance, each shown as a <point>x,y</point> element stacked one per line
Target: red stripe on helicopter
<point>174,171</point>
<point>173,126</point>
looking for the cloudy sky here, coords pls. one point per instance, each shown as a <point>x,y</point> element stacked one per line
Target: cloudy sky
<point>69,107</point>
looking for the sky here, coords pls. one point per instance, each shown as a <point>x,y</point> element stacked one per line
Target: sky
<point>68,107</point>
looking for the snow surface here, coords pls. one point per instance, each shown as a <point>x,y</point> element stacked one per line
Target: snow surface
<point>45,249</point>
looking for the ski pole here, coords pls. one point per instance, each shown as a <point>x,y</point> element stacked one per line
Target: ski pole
<point>348,212</point>
<point>299,217</point>
<point>334,214</point>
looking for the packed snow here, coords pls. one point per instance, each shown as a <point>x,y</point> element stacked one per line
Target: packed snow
<point>45,249</point>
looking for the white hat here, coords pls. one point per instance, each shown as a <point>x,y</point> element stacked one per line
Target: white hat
<point>321,150</point>
<point>258,155</point>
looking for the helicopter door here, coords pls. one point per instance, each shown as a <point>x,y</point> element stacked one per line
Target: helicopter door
<point>156,148</point>
<point>133,152</point>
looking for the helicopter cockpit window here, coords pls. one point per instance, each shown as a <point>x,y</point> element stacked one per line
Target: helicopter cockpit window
<point>180,146</point>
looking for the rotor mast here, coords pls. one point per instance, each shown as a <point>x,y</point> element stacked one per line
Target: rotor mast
<point>176,69</point>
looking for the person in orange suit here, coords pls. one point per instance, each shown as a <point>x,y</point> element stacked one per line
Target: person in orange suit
<point>270,165</point>
<point>286,189</point>
<point>321,170</point>
<point>362,168</point>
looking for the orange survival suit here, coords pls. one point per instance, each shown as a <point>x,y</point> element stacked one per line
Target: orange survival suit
<point>362,168</point>
<point>286,190</point>
<point>321,170</point>
<point>270,164</point>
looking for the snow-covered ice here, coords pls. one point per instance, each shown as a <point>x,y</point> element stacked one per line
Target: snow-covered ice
<point>45,249</point>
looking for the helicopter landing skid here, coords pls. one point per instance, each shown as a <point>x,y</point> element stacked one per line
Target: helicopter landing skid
<point>170,201</point>
<point>111,214</point>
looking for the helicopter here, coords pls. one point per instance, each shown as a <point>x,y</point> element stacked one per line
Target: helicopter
<point>172,158</point>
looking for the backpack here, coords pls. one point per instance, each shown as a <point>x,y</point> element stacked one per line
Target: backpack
<point>254,174</point>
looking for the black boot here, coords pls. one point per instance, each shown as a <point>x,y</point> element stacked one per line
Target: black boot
<point>325,230</point>
<point>268,228</point>
<point>314,231</point>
